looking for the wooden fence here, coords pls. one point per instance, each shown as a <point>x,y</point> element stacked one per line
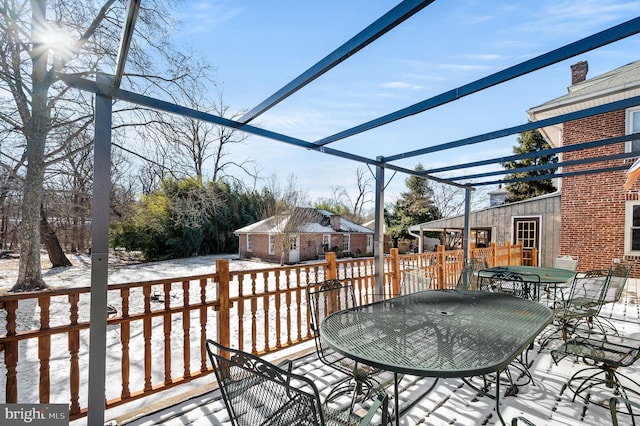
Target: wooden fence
<point>156,330</point>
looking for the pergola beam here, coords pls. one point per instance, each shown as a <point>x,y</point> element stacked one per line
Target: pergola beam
<point>538,167</point>
<point>125,40</point>
<point>555,175</point>
<point>533,154</point>
<point>587,112</point>
<point>135,98</point>
<point>586,44</point>
<point>377,29</point>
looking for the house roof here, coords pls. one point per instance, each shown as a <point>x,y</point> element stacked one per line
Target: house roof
<point>457,222</point>
<point>615,85</point>
<point>319,222</point>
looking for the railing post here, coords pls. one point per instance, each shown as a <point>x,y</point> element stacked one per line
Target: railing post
<point>222,293</point>
<point>332,265</point>
<point>442,272</point>
<point>494,254</point>
<point>395,272</point>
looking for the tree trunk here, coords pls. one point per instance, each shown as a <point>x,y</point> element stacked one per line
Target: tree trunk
<point>30,271</point>
<point>50,240</point>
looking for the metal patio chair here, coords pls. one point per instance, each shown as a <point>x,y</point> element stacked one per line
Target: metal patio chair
<point>566,261</point>
<point>614,402</point>
<point>258,393</point>
<point>584,302</point>
<point>604,355</point>
<point>414,280</point>
<point>619,276</point>
<point>325,298</point>
<point>468,279</point>
<point>569,263</point>
<point>520,285</point>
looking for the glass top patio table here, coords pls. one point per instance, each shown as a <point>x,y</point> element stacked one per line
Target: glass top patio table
<point>438,333</point>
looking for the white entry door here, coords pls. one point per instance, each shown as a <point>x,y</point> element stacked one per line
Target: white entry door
<point>294,249</point>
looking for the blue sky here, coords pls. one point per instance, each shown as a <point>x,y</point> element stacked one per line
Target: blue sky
<point>259,46</point>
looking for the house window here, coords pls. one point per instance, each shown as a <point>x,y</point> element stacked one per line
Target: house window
<point>632,228</point>
<point>369,242</point>
<point>633,126</point>
<point>346,242</point>
<point>248,242</point>
<point>272,244</point>
<point>326,242</point>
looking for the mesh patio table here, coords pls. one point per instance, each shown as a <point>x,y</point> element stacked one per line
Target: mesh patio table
<point>438,333</point>
<point>549,277</point>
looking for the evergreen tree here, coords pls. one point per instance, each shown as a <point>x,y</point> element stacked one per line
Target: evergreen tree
<point>414,206</point>
<point>530,141</point>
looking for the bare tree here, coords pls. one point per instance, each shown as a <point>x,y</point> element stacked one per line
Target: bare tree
<point>344,204</point>
<point>364,184</point>
<point>287,212</point>
<point>195,145</point>
<point>41,116</point>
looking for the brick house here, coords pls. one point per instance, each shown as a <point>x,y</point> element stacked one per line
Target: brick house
<point>319,232</point>
<point>598,217</point>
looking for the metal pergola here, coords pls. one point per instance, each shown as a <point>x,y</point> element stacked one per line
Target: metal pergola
<point>107,88</point>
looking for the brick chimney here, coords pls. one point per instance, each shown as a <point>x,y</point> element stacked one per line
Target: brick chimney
<point>579,72</point>
<point>335,222</point>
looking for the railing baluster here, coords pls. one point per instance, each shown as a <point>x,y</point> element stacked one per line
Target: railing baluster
<point>11,353</point>
<point>240,304</point>
<point>125,336</point>
<point>44,350</point>
<point>203,324</point>
<point>254,309</point>
<point>278,301</point>
<point>186,329</point>
<point>146,335</point>
<point>167,332</point>
<point>74,349</point>
<point>266,306</point>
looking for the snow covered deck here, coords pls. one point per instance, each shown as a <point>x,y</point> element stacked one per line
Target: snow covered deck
<point>451,402</point>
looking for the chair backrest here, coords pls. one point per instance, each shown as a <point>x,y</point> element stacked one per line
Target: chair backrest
<point>256,392</point>
<point>505,281</point>
<point>468,278</point>
<point>414,280</point>
<point>619,276</point>
<point>325,298</point>
<point>588,291</point>
<point>566,262</point>
<point>477,263</point>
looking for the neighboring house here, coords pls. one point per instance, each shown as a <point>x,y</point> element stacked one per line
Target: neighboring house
<point>534,223</point>
<point>595,218</point>
<point>321,231</point>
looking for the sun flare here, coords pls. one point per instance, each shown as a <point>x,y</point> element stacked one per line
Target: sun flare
<point>56,40</point>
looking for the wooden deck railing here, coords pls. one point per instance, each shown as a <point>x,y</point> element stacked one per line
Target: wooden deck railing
<point>156,331</point>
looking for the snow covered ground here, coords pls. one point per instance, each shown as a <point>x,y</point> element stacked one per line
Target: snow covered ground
<point>79,275</point>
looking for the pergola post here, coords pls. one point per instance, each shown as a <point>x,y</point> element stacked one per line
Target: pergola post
<point>467,229</point>
<point>99,256</point>
<point>378,237</point>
